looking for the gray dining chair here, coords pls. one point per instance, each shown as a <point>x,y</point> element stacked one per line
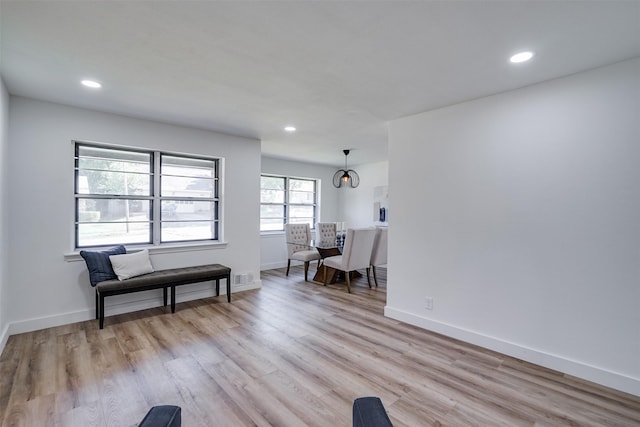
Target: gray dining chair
<point>355,255</point>
<point>379,253</point>
<point>298,240</point>
<point>326,233</point>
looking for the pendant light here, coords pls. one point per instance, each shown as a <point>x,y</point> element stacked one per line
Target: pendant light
<point>346,177</point>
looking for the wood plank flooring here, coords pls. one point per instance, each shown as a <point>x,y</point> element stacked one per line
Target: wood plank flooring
<point>289,354</point>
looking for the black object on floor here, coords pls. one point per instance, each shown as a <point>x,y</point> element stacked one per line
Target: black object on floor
<point>370,412</point>
<point>162,416</point>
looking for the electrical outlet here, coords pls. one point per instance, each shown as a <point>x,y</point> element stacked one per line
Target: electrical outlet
<point>428,303</point>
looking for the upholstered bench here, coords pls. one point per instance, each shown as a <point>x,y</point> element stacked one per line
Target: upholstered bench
<point>162,279</point>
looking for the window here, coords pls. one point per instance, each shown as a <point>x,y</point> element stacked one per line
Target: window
<point>127,196</point>
<point>188,198</point>
<point>285,199</point>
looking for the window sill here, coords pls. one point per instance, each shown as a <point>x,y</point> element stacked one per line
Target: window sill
<point>272,233</point>
<point>164,249</point>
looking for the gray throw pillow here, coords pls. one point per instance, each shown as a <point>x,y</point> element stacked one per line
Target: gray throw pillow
<point>99,265</point>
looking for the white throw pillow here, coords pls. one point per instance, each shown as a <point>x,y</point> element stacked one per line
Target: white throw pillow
<point>131,265</point>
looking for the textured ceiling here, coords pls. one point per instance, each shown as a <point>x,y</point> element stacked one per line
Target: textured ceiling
<point>339,71</point>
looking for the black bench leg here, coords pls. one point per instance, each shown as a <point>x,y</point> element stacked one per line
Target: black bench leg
<point>97,306</point>
<point>164,296</point>
<point>101,311</point>
<point>229,288</point>
<point>173,299</point>
<point>217,287</point>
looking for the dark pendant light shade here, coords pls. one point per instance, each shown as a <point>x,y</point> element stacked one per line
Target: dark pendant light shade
<point>346,177</point>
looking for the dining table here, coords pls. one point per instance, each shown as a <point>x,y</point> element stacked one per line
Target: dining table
<point>328,248</point>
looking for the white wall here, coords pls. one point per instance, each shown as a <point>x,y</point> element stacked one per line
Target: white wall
<point>356,204</point>
<point>47,290</point>
<point>4,241</point>
<point>520,215</point>
<point>273,252</point>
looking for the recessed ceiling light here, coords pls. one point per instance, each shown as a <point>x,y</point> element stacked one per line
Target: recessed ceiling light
<point>521,57</point>
<point>91,83</point>
<point>290,128</point>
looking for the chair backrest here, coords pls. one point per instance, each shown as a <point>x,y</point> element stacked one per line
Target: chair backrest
<point>379,252</point>
<point>357,248</point>
<point>326,232</point>
<point>298,237</point>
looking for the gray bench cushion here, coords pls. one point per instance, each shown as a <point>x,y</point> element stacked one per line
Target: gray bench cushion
<point>165,277</point>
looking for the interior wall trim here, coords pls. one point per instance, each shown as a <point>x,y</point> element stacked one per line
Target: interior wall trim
<point>150,299</point>
<point>578,369</point>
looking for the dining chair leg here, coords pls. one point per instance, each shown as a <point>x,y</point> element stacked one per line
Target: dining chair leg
<point>368,278</point>
<point>375,277</point>
<point>325,274</point>
<point>347,275</point>
<point>306,270</point>
<point>288,265</point>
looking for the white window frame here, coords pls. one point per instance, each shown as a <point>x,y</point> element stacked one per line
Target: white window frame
<point>287,204</point>
<point>155,198</point>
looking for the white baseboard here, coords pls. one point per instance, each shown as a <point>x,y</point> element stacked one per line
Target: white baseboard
<point>37,323</point>
<point>281,264</point>
<point>274,265</point>
<point>571,367</point>
<point>131,304</point>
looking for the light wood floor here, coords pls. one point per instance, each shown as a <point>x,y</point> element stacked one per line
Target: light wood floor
<point>290,354</point>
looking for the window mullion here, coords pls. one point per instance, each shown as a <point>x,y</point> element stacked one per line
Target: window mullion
<point>286,200</point>
<point>155,206</point>
<point>113,196</point>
